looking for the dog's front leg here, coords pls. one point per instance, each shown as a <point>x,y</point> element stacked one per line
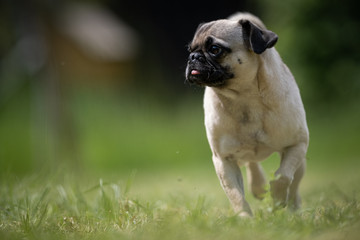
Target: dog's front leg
<point>288,176</point>
<point>232,182</point>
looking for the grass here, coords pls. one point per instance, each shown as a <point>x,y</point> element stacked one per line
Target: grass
<point>127,188</point>
<point>68,209</point>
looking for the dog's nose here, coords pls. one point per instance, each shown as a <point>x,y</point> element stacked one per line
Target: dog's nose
<point>197,56</point>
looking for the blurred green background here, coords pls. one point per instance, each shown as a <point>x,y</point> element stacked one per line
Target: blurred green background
<point>98,86</point>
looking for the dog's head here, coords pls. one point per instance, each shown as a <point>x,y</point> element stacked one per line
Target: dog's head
<point>222,49</point>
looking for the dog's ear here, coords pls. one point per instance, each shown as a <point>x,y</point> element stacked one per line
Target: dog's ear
<point>257,40</point>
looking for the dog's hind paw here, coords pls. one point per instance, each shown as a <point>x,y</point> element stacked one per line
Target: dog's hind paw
<point>279,189</point>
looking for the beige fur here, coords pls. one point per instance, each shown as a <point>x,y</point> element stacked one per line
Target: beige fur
<point>255,114</point>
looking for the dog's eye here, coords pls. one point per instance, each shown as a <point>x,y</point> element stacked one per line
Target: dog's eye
<point>215,50</point>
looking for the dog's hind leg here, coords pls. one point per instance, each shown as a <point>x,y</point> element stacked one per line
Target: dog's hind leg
<point>288,176</point>
<point>232,182</point>
<point>294,196</point>
<point>256,179</point>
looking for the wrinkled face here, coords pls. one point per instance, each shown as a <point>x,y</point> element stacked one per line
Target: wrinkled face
<point>206,64</point>
<point>225,49</point>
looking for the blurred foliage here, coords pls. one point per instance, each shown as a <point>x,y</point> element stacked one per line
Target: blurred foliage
<point>59,106</point>
<point>319,40</point>
<point>110,131</point>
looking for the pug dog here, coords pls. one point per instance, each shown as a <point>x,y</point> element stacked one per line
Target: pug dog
<point>252,109</point>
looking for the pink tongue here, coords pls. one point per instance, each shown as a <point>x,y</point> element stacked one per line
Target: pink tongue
<point>195,72</point>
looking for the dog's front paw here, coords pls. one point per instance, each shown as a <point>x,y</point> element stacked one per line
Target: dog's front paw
<point>244,214</point>
<point>279,189</point>
<point>244,210</point>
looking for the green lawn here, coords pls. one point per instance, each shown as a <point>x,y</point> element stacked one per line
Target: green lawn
<point>145,172</point>
<point>172,205</point>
